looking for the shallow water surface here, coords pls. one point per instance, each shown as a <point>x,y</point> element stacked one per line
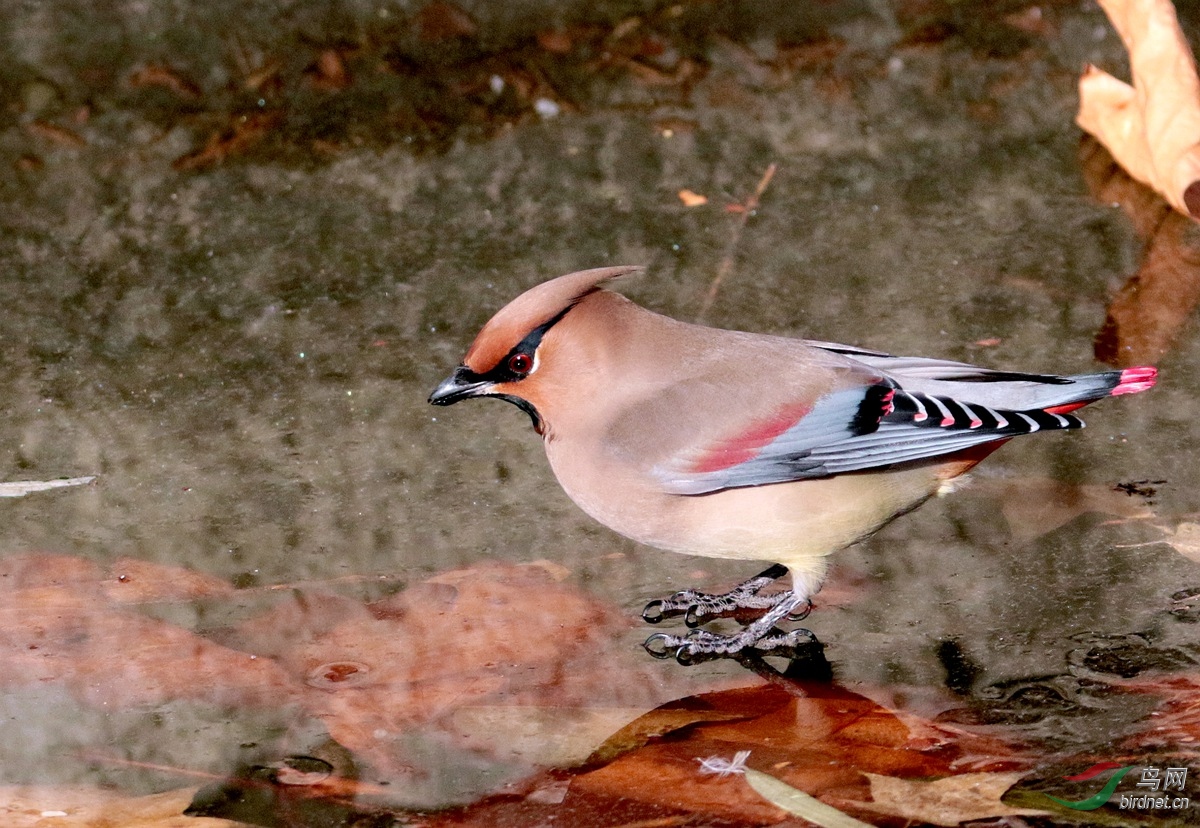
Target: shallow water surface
<point>296,588</point>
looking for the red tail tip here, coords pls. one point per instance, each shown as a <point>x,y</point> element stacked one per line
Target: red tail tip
<point>1136,380</point>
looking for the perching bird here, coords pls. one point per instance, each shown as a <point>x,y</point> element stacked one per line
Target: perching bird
<point>740,445</point>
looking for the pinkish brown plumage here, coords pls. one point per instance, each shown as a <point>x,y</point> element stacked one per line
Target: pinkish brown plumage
<point>739,445</point>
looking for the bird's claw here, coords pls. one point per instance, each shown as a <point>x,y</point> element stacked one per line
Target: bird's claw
<point>660,645</point>
<point>801,613</point>
<point>698,607</point>
<point>681,603</point>
<point>654,613</point>
<point>700,645</point>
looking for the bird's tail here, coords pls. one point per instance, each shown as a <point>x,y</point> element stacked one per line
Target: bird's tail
<point>1087,388</point>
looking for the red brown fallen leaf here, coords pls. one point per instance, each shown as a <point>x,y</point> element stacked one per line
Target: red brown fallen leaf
<point>518,638</point>
<point>1152,127</point>
<point>555,41</point>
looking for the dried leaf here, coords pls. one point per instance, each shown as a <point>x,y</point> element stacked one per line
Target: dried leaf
<point>1030,20</point>
<point>163,76</point>
<point>797,802</point>
<point>329,72</point>
<point>547,736</point>
<point>244,132</point>
<point>1150,310</point>
<point>55,134</point>
<point>442,20</point>
<point>555,41</point>
<point>20,488</point>
<point>679,784</point>
<point>948,801</point>
<point>1152,128</point>
<point>42,806</point>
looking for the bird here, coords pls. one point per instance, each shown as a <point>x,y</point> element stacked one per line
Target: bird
<point>747,446</point>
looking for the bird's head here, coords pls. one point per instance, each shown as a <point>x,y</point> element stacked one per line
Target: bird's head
<point>506,358</point>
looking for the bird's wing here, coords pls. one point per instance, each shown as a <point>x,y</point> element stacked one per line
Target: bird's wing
<point>850,429</point>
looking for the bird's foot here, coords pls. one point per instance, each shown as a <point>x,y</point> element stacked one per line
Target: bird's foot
<point>762,636</point>
<point>702,645</point>
<point>698,607</point>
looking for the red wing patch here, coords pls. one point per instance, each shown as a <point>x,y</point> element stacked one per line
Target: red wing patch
<point>1066,408</point>
<point>749,443</point>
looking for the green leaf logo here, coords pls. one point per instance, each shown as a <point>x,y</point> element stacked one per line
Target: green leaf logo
<point>1094,802</point>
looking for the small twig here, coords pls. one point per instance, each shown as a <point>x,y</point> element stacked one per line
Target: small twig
<point>744,210</point>
<point>332,789</point>
<point>99,757</point>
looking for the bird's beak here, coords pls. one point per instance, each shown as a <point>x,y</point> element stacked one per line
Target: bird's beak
<point>461,385</point>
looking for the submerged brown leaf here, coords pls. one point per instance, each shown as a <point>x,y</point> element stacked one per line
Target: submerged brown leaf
<point>1152,128</point>
<point>1150,311</point>
<point>488,635</point>
<point>61,624</point>
<point>1153,307</point>
<point>134,581</point>
<point>820,739</point>
<point>1036,506</point>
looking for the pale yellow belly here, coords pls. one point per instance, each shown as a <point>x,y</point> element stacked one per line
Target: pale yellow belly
<point>797,524</point>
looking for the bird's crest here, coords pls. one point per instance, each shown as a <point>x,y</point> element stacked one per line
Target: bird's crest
<point>532,309</point>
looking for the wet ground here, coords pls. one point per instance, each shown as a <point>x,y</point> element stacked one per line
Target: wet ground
<point>239,249</point>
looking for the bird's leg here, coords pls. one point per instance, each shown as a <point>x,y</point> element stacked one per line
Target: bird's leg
<point>761,635</point>
<point>698,607</point>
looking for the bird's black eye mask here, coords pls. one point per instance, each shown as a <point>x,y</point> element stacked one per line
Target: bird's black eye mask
<point>519,362</point>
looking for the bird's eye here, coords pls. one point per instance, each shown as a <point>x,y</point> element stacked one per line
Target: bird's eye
<point>520,363</point>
